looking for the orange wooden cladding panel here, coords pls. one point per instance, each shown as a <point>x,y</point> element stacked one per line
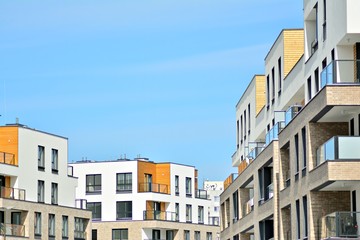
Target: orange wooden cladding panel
<point>260,93</point>
<point>160,173</point>
<point>9,139</point>
<point>242,166</point>
<point>228,181</point>
<point>196,180</point>
<point>293,48</point>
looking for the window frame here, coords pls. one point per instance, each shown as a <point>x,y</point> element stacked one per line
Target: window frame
<point>54,160</point>
<point>120,230</point>
<point>97,187</point>
<point>188,186</point>
<point>96,215</point>
<point>127,213</point>
<point>65,226</point>
<point>51,225</point>
<point>37,223</point>
<point>41,191</point>
<point>41,158</point>
<point>188,213</point>
<point>127,182</point>
<point>54,193</point>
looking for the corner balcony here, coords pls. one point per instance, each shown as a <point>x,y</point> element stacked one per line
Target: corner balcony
<point>12,193</point>
<point>340,225</point>
<point>7,158</point>
<point>255,149</point>
<point>160,215</point>
<point>341,72</point>
<point>338,148</point>
<point>273,133</point>
<point>12,231</point>
<point>291,112</point>
<point>153,187</point>
<point>201,194</point>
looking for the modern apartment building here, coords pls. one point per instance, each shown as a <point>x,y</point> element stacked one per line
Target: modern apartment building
<point>140,199</point>
<point>37,190</point>
<point>298,128</point>
<point>214,190</point>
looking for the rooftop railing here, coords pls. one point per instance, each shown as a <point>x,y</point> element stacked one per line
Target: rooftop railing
<point>338,148</point>
<point>340,225</point>
<point>160,215</point>
<point>341,72</point>
<point>214,221</point>
<point>12,193</point>
<point>153,187</point>
<point>200,193</point>
<point>81,203</point>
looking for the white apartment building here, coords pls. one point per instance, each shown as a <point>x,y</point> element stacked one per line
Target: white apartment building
<point>298,128</point>
<point>214,190</point>
<point>37,196</point>
<point>140,199</point>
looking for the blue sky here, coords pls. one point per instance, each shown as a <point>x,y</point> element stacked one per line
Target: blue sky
<point>156,78</point>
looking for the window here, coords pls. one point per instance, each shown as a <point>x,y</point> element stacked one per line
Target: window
<point>80,226</point>
<point>124,210</point>
<point>279,76</point>
<point>197,235</point>
<point>120,234</point>
<point>324,22</point>
<point>177,211</point>
<point>317,80</point>
<point>54,160</point>
<point>273,85</point>
<point>95,208</point>
<point>65,226</point>
<point>188,187</point>
<point>41,191</point>
<point>186,235</point>
<point>208,236</point>
<point>176,185</point>
<point>305,216</point>
<point>170,235</point>
<point>188,213</point>
<point>54,193</point>
<point>237,134</point>
<point>352,127</point>
<point>94,234</point>
<point>298,219</point>
<point>249,119</point>
<point>41,158</point>
<point>241,130</point>
<point>296,155</point>
<point>124,182</point>
<point>216,209</point>
<point>309,87</point>
<point>236,206</point>
<point>244,125</point>
<point>51,225</point>
<point>37,224</point>
<point>93,183</point>
<point>216,198</point>
<point>303,137</point>
<point>200,214</point>
<point>16,218</point>
<point>267,91</point>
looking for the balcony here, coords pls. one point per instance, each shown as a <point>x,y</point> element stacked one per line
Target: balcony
<point>12,193</point>
<point>341,72</point>
<point>291,113</point>
<point>12,230</point>
<point>202,194</point>
<point>248,207</point>
<point>7,158</point>
<point>79,235</point>
<point>255,149</point>
<point>70,171</point>
<point>160,215</point>
<point>214,221</point>
<point>153,187</point>
<point>340,225</point>
<point>338,148</point>
<point>230,179</point>
<point>81,203</point>
<point>273,133</point>
<point>270,191</point>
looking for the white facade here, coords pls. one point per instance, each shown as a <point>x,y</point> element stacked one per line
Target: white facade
<point>214,190</point>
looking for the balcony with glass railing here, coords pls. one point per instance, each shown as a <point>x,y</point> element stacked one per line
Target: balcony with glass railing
<point>341,72</point>
<point>12,193</point>
<point>338,148</point>
<point>81,203</point>
<point>12,230</point>
<point>273,133</point>
<point>291,112</point>
<point>340,225</point>
<point>255,148</point>
<point>153,187</point>
<point>200,193</point>
<point>160,215</point>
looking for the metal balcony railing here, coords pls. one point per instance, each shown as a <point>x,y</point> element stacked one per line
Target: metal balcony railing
<point>340,225</point>
<point>153,187</point>
<point>291,113</point>
<point>70,171</point>
<point>160,215</point>
<point>12,193</point>
<point>338,148</point>
<point>341,72</point>
<point>214,221</point>
<point>273,133</point>
<point>12,230</point>
<point>7,158</point>
<point>200,193</point>
<point>79,234</point>
<point>81,203</point>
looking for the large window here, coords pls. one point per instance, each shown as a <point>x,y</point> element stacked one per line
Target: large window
<point>188,213</point>
<point>186,235</point>
<point>188,187</point>
<point>41,191</point>
<point>177,210</point>
<point>208,236</point>
<point>54,193</point>
<point>197,235</point>
<point>296,156</point>
<point>95,208</point>
<point>37,224</point>
<point>236,206</point>
<point>65,226</point>
<point>200,214</point>
<point>41,158</point>
<point>176,185</point>
<point>305,216</point>
<point>120,234</point>
<point>93,183</point>
<point>80,226</point>
<point>124,210</point>
<point>51,225</point>
<point>54,160</point>
<point>124,182</point>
